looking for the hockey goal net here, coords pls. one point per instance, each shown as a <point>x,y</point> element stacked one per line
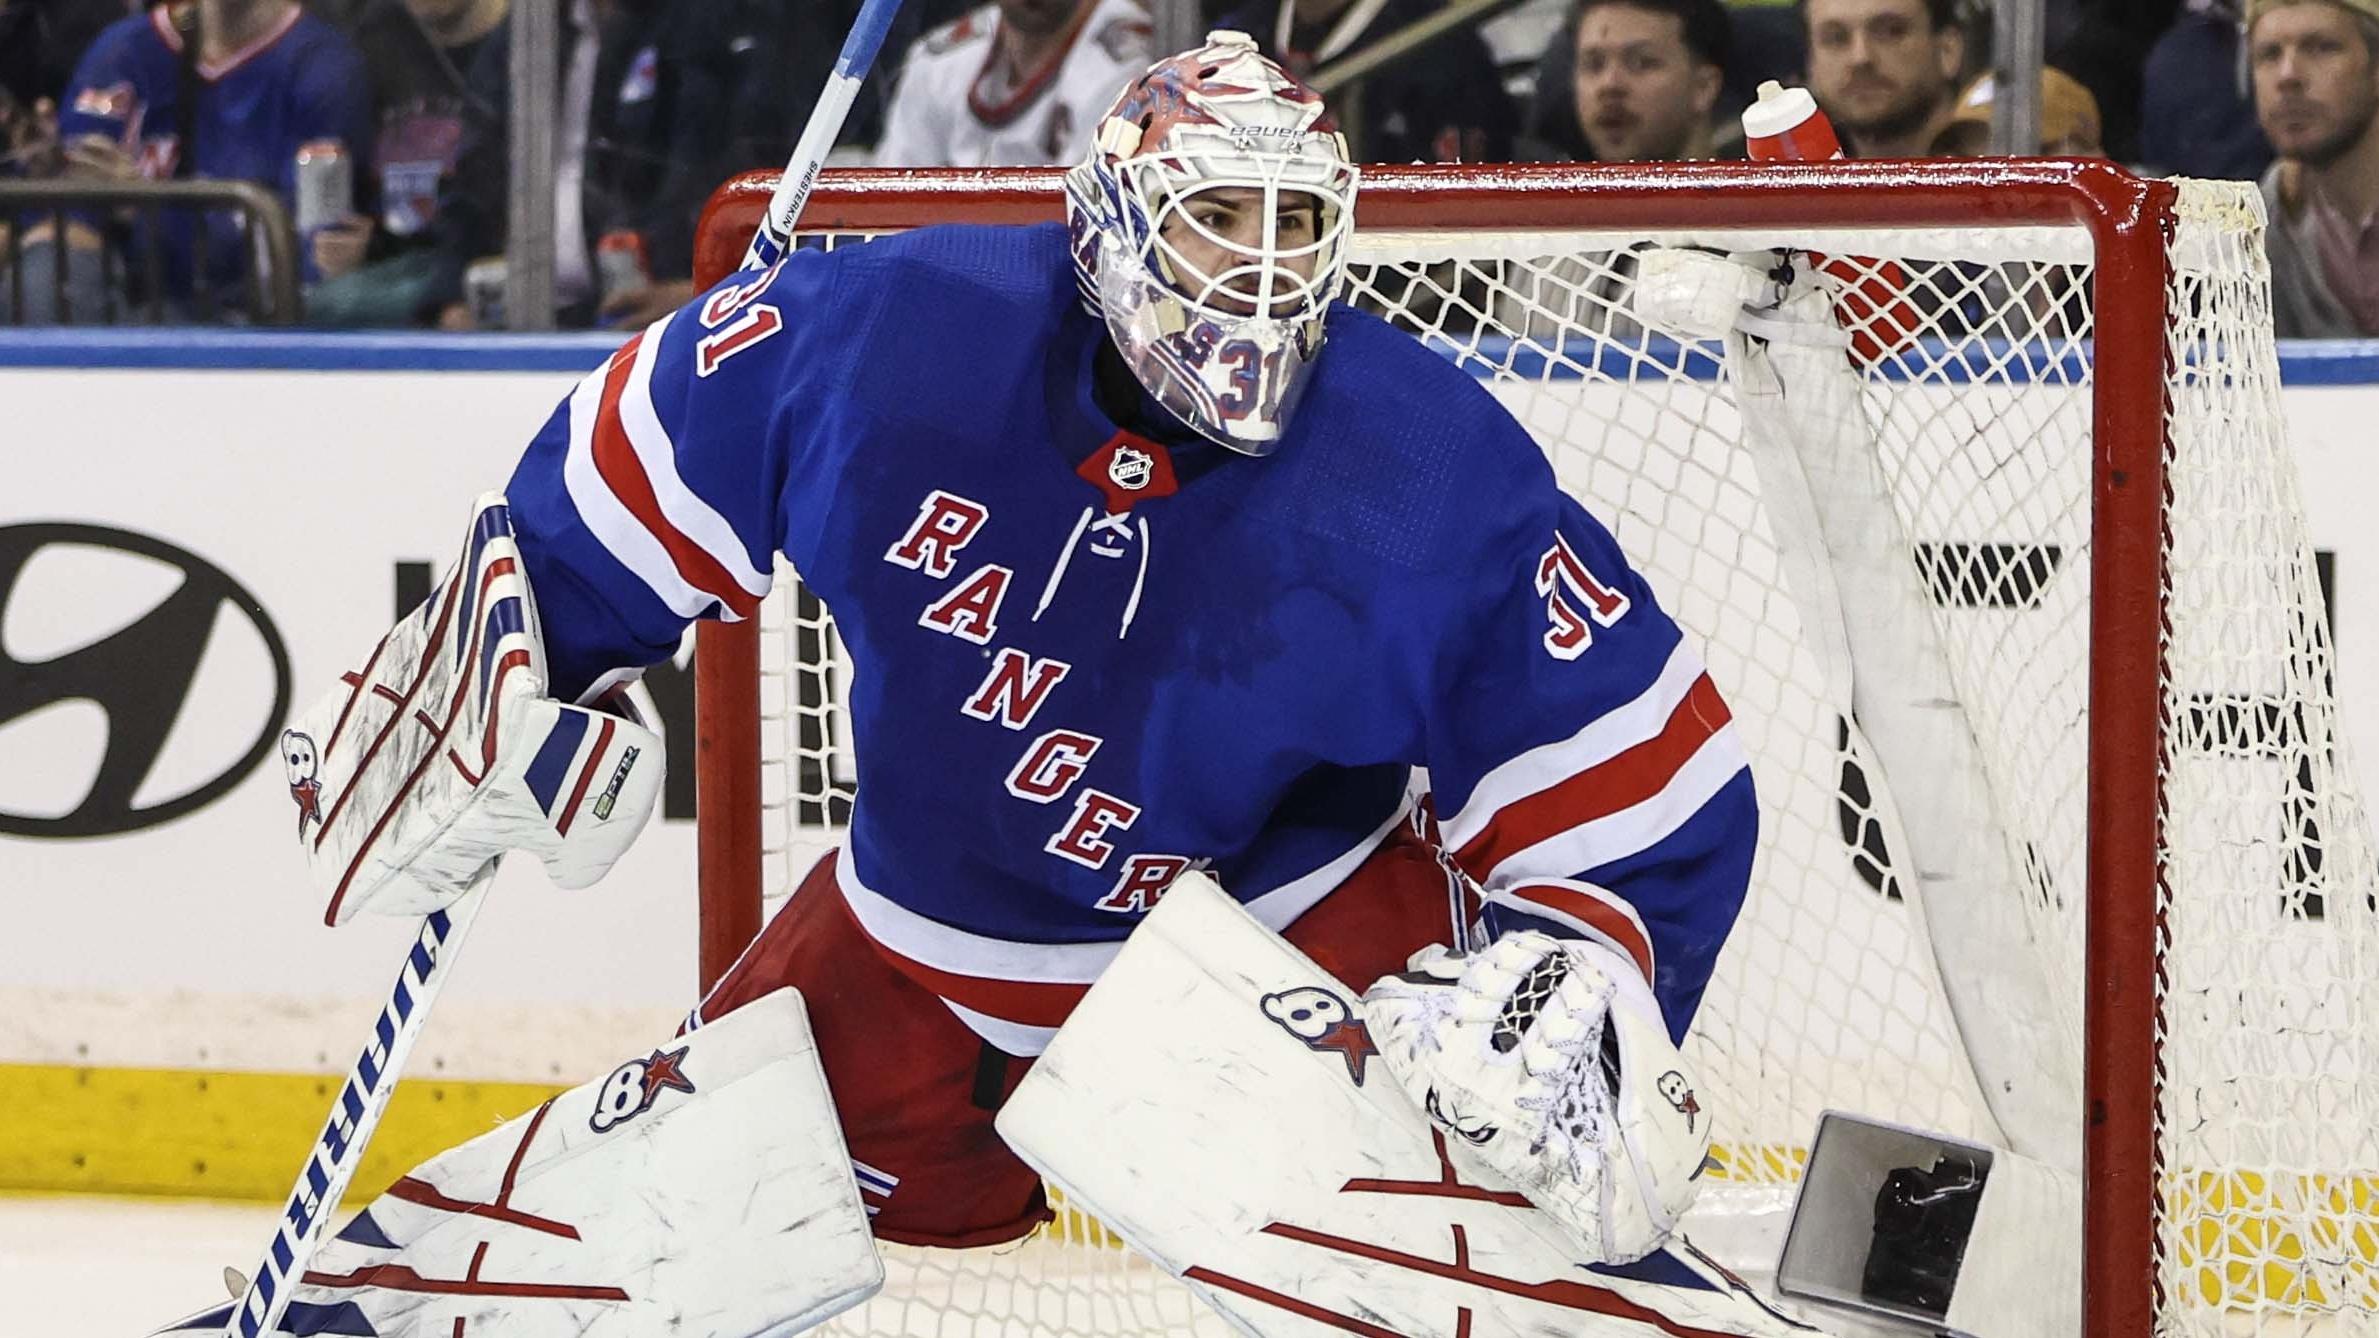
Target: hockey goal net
<point>2010,594</point>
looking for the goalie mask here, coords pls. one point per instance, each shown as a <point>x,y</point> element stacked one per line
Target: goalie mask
<point>1209,228</point>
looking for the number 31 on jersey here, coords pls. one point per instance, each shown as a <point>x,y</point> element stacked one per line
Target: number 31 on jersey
<point>735,323</point>
<point>1576,601</point>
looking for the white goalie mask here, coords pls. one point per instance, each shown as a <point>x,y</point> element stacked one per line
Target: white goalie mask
<point>1209,228</point>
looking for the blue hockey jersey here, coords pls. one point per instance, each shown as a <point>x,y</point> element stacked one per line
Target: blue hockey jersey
<point>300,81</point>
<point>1086,660</point>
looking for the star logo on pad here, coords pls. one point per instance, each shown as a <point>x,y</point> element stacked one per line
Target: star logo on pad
<point>633,1086</point>
<point>664,1068</point>
<point>1323,1023</point>
<point>1352,1041</point>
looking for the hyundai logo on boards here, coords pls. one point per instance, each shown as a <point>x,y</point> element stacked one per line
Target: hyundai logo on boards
<point>138,681</point>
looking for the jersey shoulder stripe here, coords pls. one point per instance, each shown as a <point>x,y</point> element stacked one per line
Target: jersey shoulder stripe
<point>704,546</point>
<point>1618,805</point>
<point>631,498</point>
<point>1543,768</point>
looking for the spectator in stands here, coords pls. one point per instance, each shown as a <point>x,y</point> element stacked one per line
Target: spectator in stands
<point>1019,83</point>
<point>1640,85</point>
<point>2195,119</point>
<point>1885,71</point>
<point>2070,126</point>
<point>644,91</point>
<point>1443,103</point>
<point>1644,76</point>
<point>417,52</point>
<point>224,89</point>
<point>2316,70</point>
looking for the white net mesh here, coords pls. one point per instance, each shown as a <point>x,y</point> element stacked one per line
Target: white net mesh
<point>2270,1051</point>
<point>1969,416</point>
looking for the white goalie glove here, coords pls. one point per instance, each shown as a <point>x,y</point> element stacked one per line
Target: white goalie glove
<point>1550,1059</point>
<point>443,752</point>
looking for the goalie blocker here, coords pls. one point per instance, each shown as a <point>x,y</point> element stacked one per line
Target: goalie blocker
<point>443,751</point>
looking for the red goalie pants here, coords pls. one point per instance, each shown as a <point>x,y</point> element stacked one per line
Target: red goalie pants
<point>916,1089</point>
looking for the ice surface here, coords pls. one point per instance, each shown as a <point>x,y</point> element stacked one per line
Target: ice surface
<point>88,1267</point>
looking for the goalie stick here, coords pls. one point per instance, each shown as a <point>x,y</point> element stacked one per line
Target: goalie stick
<point>364,1096</point>
<point>858,56</point>
<point>362,1099</point>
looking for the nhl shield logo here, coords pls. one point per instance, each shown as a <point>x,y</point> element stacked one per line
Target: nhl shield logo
<point>1130,468</point>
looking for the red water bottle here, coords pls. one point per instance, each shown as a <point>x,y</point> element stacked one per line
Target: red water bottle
<point>1786,126</point>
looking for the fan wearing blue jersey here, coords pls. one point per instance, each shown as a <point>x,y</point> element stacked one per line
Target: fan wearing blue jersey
<point>267,77</point>
<point>1151,555</point>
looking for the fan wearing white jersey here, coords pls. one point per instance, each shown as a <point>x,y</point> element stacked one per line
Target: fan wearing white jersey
<point>1136,581</point>
<point>1019,83</point>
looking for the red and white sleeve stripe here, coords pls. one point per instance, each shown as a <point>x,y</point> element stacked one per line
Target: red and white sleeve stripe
<point>1618,786</point>
<point>621,473</point>
<point>1586,910</point>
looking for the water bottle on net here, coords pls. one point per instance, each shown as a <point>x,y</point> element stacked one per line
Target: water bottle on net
<point>1871,300</point>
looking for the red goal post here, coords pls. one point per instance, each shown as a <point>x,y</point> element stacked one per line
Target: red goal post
<point>2129,223</point>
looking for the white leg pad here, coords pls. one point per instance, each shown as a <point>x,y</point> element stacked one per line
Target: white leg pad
<point>702,1188</point>
<point>1216,1102</point>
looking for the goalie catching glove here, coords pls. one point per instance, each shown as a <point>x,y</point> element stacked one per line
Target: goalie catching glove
<point>444,752</point>
<point>1549,1058</point>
